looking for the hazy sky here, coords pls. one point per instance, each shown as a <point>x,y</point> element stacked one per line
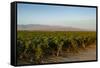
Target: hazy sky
<point>79,17</point>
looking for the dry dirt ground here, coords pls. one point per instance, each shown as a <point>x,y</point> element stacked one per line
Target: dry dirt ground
<point>86,54</point>
<point>89,53</point>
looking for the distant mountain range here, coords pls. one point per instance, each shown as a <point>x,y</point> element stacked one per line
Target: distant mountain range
<point>38,27</point>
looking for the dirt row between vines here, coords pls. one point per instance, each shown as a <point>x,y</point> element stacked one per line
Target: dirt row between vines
<point>86,54</point>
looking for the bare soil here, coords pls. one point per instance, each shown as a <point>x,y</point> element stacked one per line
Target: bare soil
<point>89,53</point>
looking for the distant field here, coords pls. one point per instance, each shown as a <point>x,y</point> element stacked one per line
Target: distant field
<point>33,47</point>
